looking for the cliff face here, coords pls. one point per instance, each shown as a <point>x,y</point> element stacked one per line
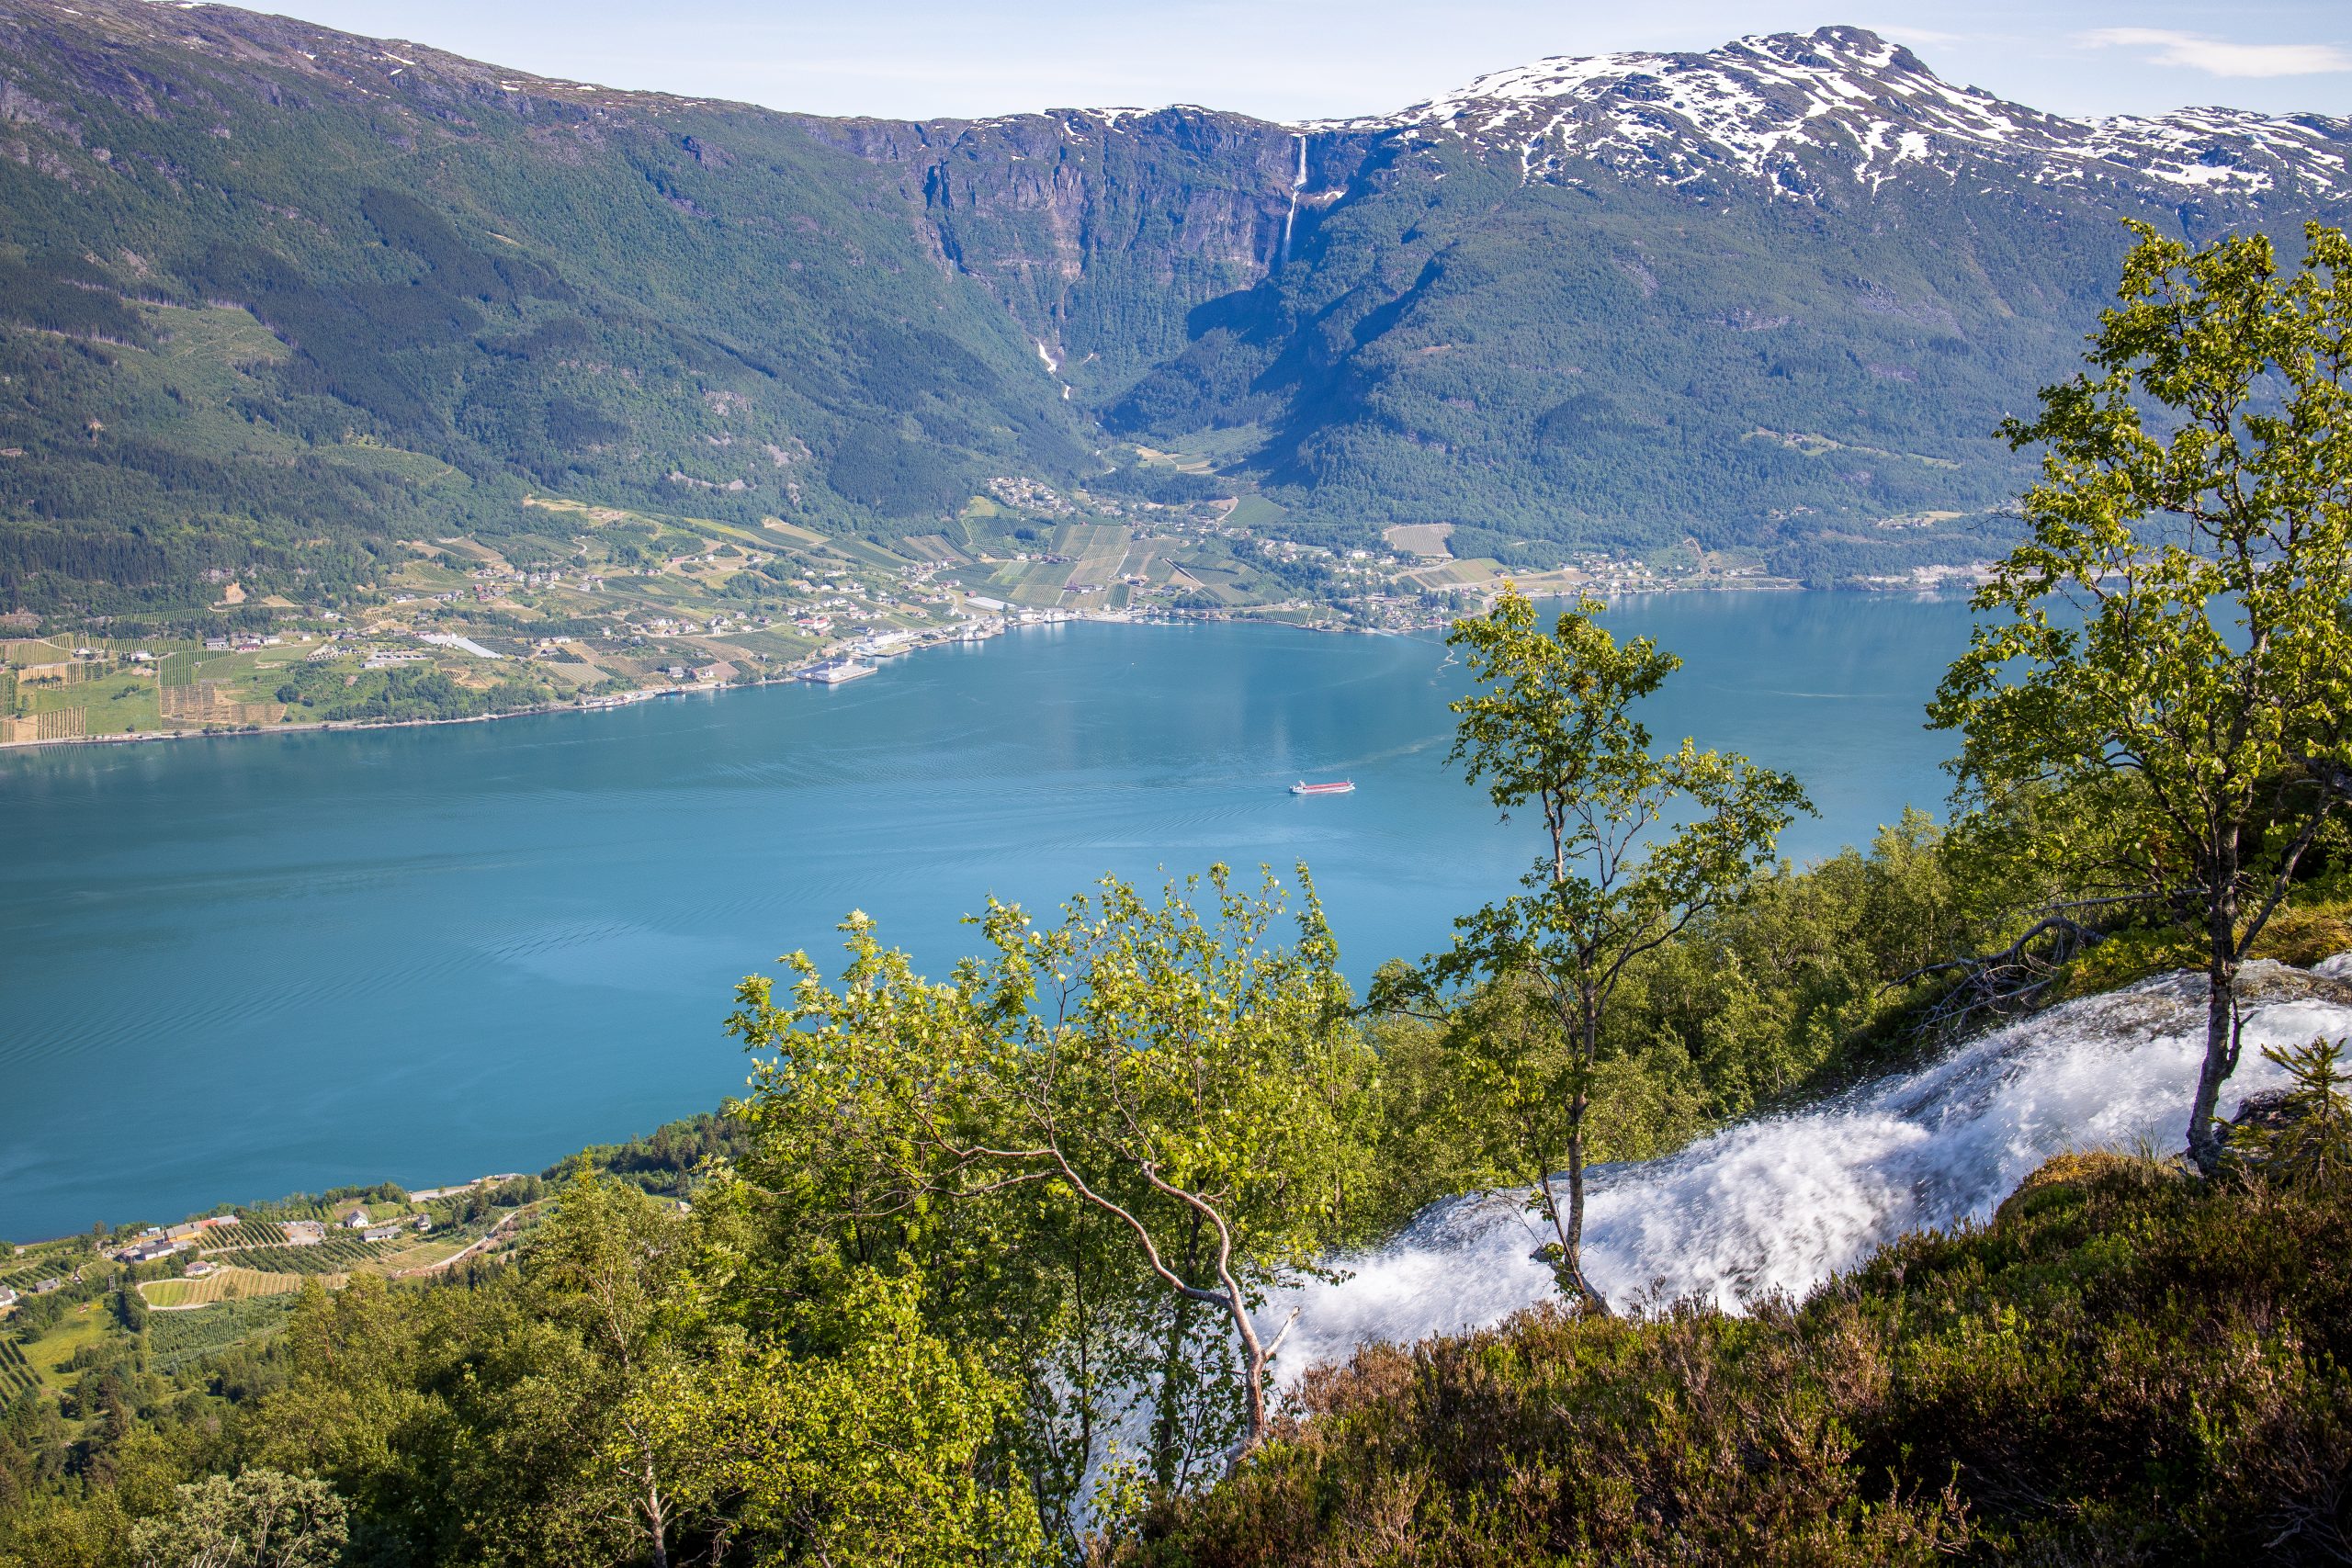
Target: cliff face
<point>1773,294</point>
<point>1102,230</point>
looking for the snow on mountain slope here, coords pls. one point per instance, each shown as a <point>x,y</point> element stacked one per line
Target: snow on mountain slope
<point>1794,110</point>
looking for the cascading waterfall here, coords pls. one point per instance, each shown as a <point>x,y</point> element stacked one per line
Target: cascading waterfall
<point>1297,184</point>
<point>1782,1203</point>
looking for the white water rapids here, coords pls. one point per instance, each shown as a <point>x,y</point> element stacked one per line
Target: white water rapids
<point>1782,1203</point>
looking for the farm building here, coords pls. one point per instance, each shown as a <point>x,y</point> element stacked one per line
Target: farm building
<point>148,1251</point>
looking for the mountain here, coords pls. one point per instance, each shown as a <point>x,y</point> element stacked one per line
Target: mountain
<point>275,296</point>
<point>272,296</point>
<point>1774,295</point>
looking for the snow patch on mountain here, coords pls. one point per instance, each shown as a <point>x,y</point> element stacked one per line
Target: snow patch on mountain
<point>1797,111</point>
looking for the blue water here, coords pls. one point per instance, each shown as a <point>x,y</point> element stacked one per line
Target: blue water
<point>233,969</point>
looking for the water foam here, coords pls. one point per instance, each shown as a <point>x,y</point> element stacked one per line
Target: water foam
<point>1781,1203</point>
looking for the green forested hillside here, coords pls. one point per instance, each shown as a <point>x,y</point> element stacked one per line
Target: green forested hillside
<point>273,295</point>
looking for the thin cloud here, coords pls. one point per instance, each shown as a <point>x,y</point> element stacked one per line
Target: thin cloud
<point>2219,57</point>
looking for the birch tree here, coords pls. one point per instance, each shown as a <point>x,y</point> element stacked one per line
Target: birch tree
<point>2170,650</point>
<point>1634,846</point>
<point>1170,1067</point>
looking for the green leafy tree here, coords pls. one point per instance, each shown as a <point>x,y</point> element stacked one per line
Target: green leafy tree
<point>1184,1077</point>
<point>875,1445</point>
<point>2163,669</point>
<point>619,1275</point>
<point>1636,846</point>
<point>263,1518</point>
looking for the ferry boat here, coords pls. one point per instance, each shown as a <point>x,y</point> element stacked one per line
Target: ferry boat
<point>1344,786</point>
<point>837,672</point>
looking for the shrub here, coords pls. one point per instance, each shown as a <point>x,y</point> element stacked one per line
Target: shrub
<point>2125,1365</point>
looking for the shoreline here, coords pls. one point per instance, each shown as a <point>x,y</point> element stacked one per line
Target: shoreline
<point>793,675</point>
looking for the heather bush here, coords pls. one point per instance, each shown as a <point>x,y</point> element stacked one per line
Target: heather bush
<point>2125,1365</point>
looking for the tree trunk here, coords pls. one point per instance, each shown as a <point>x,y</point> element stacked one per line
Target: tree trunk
<point>1571,1229</point>
<point>1571,1269</point>
<point>1253,1361</point>
<point>2221,1039</point>
<point>2221,956</point>
<point>657,1523</point>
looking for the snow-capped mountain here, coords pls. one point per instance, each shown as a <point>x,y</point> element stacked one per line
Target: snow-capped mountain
<point>1798,110</point>
<point>1773,298</point>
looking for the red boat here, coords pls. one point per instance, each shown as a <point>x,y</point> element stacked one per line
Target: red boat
<point>1303,788</point>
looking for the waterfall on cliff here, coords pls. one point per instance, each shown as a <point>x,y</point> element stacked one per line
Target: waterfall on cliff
<point>1781,1203</point>
<point>1297,184</point>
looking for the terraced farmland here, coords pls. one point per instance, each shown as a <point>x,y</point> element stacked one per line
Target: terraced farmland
<point>1093,562</point>
<point>422,1254</point>
<point>221,1284</point>
<point>22,1281</point>
<point>336,1255</point>
<point>249,1233</point>
<point>17,1374</point>
<point>175,1339</point>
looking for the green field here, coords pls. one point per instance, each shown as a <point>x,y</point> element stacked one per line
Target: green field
<point>52,1353</point>
<point>1255,512</point>
<point>251,1233</point>
<point>423,1254</point>
<point>109,703</point>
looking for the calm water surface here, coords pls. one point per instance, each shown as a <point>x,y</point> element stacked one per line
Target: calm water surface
<point>233,969</point>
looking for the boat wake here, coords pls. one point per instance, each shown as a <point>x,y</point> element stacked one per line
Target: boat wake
<point>1782,1203</point>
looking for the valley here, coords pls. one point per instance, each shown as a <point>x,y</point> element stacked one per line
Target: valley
<point>1765,304</point>
<point>1628,1059</point>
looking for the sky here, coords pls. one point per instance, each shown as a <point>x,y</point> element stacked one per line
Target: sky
<point>1288,60</point>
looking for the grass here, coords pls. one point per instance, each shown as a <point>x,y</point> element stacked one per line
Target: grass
<point>53,1352</point>
<point>1255,512</point>
<point>424,1255</point>
<point>221,1284</point>
<point>417,466</point>
<point>1421,538</point>
<point>1816,445</point>
<point>1197,450</point>
<point>108,705</point>
<point>775,642</point>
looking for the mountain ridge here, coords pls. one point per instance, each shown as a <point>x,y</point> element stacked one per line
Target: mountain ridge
<point>1773,87</point>
<point>1771,299</point>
